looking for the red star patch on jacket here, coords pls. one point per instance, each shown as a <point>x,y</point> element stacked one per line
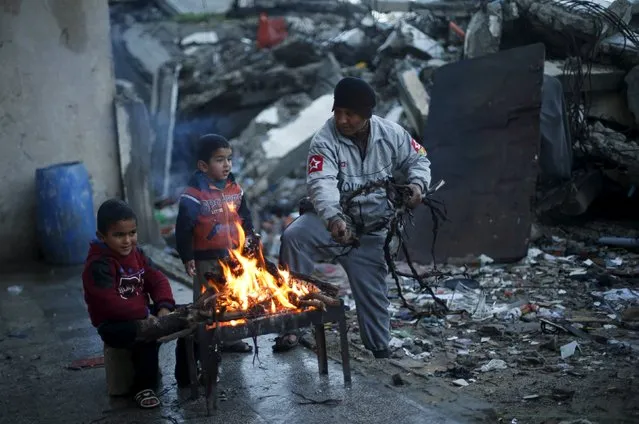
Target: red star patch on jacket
<point>417,147</point>
<point>315,163</point>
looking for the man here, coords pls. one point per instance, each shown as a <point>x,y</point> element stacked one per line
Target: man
<point>354,148</point>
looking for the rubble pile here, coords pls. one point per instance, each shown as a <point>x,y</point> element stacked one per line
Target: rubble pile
<point>566,311</point>
<point>294,80</point>
<point>204,66</point>
<point>397,52</point>
<point>220,67</point>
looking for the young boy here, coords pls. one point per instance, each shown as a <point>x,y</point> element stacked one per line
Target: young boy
<point>205,231</point>
<point>118,280</point>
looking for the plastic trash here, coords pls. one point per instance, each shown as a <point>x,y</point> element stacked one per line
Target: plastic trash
<point>613,262</point>
<point>493,365</point>
<point>14,290</point>
<point>568,350</point>
<point>471,301</point>
<point>270,31</point>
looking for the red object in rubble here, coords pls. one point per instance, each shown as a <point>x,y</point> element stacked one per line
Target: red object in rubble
<point>270,32</point>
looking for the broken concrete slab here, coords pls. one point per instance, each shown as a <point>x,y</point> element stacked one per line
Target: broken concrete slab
<point>246,87</point>
<point>328,75</point>
<point>250,143</point>
<point>456,10</point>
<point>395,114</point>
<point>146,51</point>
<point>414,99</point>
<point>408,39</point>
<point>268,116</point>
<point>199,38</point>
<point>622,48</point>
<point>601,77</point>
<point>482,137</point>
<point>135,138</point>
<point>352,38</point>
<point>385,6</point>
<point>429,68</point>
<point>296,51</point>
<point>572,198</point>
<point>583,191</point>
<point>281,141</point>
<point>611,106</point>
<point>483,34</point>
<point>354,46</point>
<point>565,18</point>
<point>195,7</point>
<point>613,150</point>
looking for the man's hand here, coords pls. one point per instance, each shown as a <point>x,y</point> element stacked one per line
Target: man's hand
<point>416,196</point>
<point>189,267</point>
<point>340,231</point>
<point>163,312</point>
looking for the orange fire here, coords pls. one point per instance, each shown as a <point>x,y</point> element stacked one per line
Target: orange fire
<point>249,284</point>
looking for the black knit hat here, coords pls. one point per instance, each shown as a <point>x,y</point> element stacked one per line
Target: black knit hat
<point>355,94</point>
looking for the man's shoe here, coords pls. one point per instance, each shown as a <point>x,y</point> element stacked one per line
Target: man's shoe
<point>381,354</point>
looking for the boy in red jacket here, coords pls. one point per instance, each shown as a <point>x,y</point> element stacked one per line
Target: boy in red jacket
<point>118,280</point>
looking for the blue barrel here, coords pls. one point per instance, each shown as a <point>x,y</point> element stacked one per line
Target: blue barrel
<point>64,213</point>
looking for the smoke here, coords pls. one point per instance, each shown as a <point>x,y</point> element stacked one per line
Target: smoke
<point>188,129</point>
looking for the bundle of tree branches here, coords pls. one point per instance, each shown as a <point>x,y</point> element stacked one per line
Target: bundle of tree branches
<point>398,196</point>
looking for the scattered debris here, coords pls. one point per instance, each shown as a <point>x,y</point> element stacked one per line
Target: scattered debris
<point>398,380</point>
<point>494,364</point>
<point>460,383</point>
<point>309,401</point>
<point>15,290</point>
<point>80,364</point>
<point>568,350</point>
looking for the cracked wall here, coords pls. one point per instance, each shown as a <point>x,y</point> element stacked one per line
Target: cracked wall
<point>56,105</point>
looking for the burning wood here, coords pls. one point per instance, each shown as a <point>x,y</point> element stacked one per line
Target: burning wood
<point>247,286</point>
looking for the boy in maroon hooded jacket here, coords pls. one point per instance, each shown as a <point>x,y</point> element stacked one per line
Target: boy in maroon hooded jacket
<point>119,281</point>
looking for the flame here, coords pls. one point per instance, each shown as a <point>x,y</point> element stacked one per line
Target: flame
<point>248,284</point>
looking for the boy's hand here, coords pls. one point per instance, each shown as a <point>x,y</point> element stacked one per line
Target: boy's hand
<point>189,266</point>
<point>163,312</point>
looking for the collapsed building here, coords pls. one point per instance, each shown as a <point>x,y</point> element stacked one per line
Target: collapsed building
<point>528,110</point>
<point>208,71</point>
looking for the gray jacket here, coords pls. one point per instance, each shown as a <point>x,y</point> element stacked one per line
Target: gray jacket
<point>335,168</point>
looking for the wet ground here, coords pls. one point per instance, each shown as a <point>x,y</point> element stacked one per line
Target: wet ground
<point>44,328</point>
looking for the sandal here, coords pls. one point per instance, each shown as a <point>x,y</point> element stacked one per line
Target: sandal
<point>286,342</point>
<point>146,399</point>
<point>237,347</point>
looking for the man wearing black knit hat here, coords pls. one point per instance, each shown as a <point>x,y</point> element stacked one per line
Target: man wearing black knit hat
<point>354,148</point>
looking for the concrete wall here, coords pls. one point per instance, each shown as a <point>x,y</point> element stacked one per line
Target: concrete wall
<point>56,105</point>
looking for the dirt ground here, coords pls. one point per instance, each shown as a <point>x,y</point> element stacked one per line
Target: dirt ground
<point>546,340</point>
<point>551,344</point>
<point>598,385</point>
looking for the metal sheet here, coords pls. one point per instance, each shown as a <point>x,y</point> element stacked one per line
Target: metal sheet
<point>280,323</point>
<point>482,137</point>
